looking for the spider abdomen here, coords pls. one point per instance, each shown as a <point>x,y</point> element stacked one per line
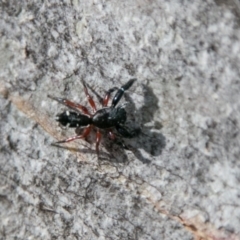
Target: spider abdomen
<point>73,119</point>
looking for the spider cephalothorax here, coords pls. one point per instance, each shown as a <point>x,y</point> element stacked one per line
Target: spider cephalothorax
<point>104,118</point>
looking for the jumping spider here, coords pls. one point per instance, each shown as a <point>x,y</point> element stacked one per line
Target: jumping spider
<point>104,118</point>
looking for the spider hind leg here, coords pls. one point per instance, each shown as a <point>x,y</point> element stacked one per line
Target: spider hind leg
<point>85,133</point>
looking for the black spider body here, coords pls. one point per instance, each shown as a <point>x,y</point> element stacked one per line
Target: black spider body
<point>104,118</point>
<point>109,117</point>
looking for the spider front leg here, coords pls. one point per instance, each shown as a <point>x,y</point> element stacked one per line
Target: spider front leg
<point>121,91</point>
<point>70,104</point>
<point>107,96</point>
<point>83,135</point>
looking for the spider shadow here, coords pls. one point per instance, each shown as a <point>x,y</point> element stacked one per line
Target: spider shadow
<point>85,150</point>
<point>114,152</point>
<point>149,139</point>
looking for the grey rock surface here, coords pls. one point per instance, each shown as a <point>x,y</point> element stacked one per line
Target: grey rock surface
<point>180,177</point>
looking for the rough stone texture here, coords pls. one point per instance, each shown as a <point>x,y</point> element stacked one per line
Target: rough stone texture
<point>181,177</point>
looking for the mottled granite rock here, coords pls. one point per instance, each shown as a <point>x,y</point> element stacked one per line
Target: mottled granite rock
<point>180,178</point>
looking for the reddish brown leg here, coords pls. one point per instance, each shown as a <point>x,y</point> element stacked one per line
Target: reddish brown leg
<point>98,141</point>
<point>70,104</point>
<point>90,99</point>
<point>84,135</point>
<point>111,135</point>
<point>107,96</point>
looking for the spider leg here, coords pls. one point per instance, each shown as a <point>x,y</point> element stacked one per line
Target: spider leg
<point>70,104</point>
<point>117,141</point>
<point>89,97</point>
<point>100,99</point>
<point>121,91</point>
<point>122,144</point>
<point>83,135</point>
<point>107,96</point>
<point>98,141</point>
<point>111,135</point>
